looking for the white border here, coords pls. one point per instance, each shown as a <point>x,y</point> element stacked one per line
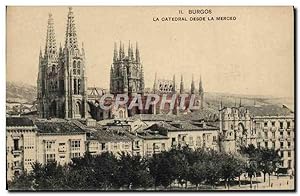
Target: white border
<point>5,3</point>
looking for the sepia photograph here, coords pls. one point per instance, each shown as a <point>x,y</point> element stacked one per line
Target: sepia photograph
<point>150,98</point>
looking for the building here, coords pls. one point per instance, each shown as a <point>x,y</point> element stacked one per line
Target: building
<point>61,79</point>
<point>275,128</point>
<point>20,145</point>
<point>59,140</point>
<point>265,126</point>
<point>40,140</point>
<point>126,72</point>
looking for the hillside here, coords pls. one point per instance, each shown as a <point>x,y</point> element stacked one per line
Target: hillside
<point>24,93</point>
<point>20,93</point>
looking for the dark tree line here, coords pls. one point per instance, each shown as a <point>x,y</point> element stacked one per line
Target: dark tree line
<point>178,167</point>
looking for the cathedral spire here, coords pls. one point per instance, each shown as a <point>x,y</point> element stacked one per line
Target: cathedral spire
<point>137,54</point>
<point>60,49</point>
<point>41,54</point>
<point>71,36</point>
<point>123,51</point>
<point>142,86</point>
<point>115,53</point>
<point>200,86</point>
<point>181,85</point>
<point>50,48</point>
<point>120,51</point>
<point>129,51</point>
<point>193,85</point>
<point>174,84</point>
<point>154,84</point>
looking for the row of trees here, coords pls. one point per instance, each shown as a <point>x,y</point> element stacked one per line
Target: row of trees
<point>182,166</point>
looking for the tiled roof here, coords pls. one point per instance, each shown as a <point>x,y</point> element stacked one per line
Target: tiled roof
<point>162,127</point>
<point>204,114</point>
<point>151,117</point>
<point>151,135</point>
<point>110,136</point>
<point>57,126</point>
<point>269,110</point>
<point>18,121</point>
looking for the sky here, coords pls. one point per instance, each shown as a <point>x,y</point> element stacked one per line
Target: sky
<point>253,54</point>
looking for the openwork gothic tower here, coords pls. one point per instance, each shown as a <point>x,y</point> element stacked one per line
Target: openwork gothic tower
<point>126,73</point>
<point>62,79</point>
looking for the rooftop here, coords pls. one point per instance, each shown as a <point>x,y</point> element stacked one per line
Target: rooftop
<point>269,110</point>
<point>57,126</point>
<point>106,135</point>
<point>18,122</point>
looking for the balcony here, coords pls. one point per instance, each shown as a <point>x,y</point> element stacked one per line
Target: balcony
<point>16,151</point>
<point>136,147</point>
<point>16,167</point>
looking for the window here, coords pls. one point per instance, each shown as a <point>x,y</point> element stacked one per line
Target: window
<point>289,164</point>
<point>288,124</point>
<point>281,144</point>
<point>137,144</point>
<point>214,138</point>
<point>273,134</point>
<point>75,145</point>
<point>75,155</point>
<point>173,141</point>
<point>281,154</point>
<point>281,133</point>
<point>289,154</point>
<point>102,146</point>
<point>281,125</point>
<point>62,147</point>
<point>163,146</point>
<point>266,134</point>
<point>289,144</point>
<point>265,124</point>
<point>273,124</point>
<point>266,144</point>
<point>16,144</point>
<point>50,146</point>
<point>126,146</point>
<point>50,157</point>
<point>273,144</point>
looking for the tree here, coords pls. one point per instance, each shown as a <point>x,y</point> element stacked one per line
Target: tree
<point>251,169</point>
<point>197,173</point>
<point>231,167</point>
<point>268,160</point>
<point>133,172</point>
<point>161,170</point>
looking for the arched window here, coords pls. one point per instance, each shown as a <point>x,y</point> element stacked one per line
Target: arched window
<point>77,109</point>
<point>78,64</point>
<point>74,64</point>
<point>121,115</point>
<point>53,68</point>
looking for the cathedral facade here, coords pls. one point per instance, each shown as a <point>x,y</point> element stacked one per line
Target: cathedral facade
<point>61,79</point>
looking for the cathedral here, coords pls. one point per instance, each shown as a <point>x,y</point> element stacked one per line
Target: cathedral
<point>62,87</point>
<point>126,73</point>
<point>61,78</point>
